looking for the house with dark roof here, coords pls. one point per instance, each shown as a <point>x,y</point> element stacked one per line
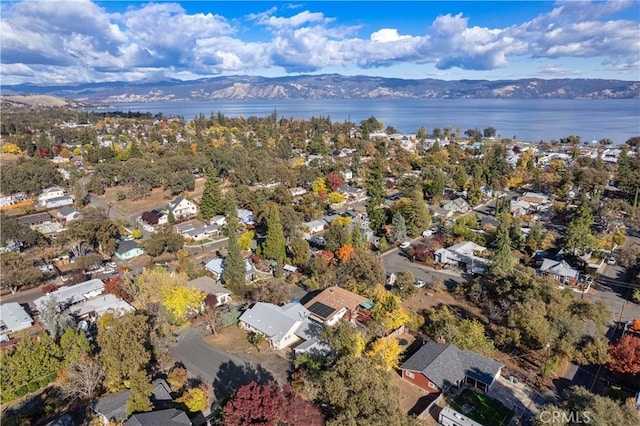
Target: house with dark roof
<point>68,214</point>
<point>169,417</point>
<point>436,367</point>
<point>334,303</point>
<point>113,407</point>
<point>128,249</point>
<point>208,285</point>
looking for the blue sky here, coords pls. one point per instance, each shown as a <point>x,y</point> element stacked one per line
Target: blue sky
<point>59,42</point>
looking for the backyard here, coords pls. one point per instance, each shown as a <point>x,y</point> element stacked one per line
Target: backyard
<point>481,408</point>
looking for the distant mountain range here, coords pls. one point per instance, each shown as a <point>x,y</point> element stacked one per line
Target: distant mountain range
<point>331,86</point>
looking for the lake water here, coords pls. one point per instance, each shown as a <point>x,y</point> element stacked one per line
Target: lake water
<point>529,119</point>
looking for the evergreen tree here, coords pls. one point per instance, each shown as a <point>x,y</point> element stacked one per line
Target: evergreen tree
<point>357,238</point>
<point>418,217</point>
<point>503,262</point>
<point>399,228</point>
<point>212,202</point>
<point>233,274</point>
<point>140,397</point>
<point>375,192</point>
<point>579,239</point>
<point>274,246</point>
<point>135,151</point>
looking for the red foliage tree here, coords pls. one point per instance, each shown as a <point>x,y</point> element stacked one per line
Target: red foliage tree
<point>113,285</point>
<point>335,181</point>
<point>625,355</point>
<point>270,405</point>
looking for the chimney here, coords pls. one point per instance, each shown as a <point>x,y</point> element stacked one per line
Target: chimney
<point>441,340</point>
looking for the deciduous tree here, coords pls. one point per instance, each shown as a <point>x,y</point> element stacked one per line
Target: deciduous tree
<point>386,352</point>
<point>625,355</point>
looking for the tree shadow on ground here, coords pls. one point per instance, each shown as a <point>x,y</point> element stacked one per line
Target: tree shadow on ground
<point>231,377</point>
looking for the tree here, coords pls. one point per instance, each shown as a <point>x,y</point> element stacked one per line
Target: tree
<point>503,261</point>
<point>74,344</point>
<point>386,352</point>
<point>300,251</point>
<point>177,378</point>
<point>124,349</point>
<point>16,272</point>
<point>53,319</point>
<point>140,397</point>
<point>361,273</point>
<point>334,181</point>
<point>344,253</point>
<point>399,232</point>
<point>257,340</point>
<point>417,215</point>
<point>578,238</point>
<point>375,192</point>
<point>344,339</point>
<point>212,202</point>
<point>179,299</point>
<point>274,246</point>
<point>269,404</point>
<point>195,399</point>
<point>337,235</point>
<point>83,378</point>
<point>625,355</point>
<point>234,273</point>
<point>210,313</point>
<point>244,242</point>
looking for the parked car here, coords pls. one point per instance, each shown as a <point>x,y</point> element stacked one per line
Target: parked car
<point>611,261</point>
<point>420,283</point>
<point>405,245</point>
<point>427,233</point>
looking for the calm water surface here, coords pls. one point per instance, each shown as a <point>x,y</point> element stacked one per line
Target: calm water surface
<point>531,120</point>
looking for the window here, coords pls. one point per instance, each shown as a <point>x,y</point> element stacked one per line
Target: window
<point>410,375</point>
<point>432,385</point>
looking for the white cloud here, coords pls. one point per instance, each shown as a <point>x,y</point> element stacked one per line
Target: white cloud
<point>386,35</point>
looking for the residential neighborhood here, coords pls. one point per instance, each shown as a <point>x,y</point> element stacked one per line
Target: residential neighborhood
<point>172,271</point>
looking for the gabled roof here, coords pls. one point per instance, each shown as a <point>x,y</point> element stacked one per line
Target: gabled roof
<point>113,406</point>
<point>170,417</point>
<point>466,247</point>
<point>275,321</point>
<point>70,295</point>
<point>14,317</point>
<point>66,211</point>
<point>126,246</point>
<point>445,364</point>
<point>333,299</point>
<point>558,267</point>
<point>207,285</point>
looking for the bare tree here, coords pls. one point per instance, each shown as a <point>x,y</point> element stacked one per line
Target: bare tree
<point>84,378</point>
<point>210,313</point>
<point>53,319</point>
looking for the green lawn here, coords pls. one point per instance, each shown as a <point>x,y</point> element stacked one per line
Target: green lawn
<point>481,408</point>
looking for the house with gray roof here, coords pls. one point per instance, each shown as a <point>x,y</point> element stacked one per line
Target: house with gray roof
<point>436,367</point>
<point>71,295</point>
<point>559,269</point>
<point>113,407</point>
<point>208,285</point>
<point>128,249</point>
<point>13,318</point>
<point>169,417</point>
<point>281,325</point>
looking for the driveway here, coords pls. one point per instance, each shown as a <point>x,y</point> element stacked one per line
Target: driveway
<point>394,261</point>
<point>223,372</point>
<point>523,400</point>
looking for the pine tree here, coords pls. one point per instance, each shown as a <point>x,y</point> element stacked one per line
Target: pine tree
<point>503,262</point>
<point>399,228</point>
<point>357,238</point>
<point>233,274</point>
<point>140,397</point>
<point>418,217</point>
<point>212,202</point>
<point>274,246</point>
<point>134,151</point>
<point>375,192</point>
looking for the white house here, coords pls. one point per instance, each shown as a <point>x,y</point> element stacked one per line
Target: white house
<point>245,216</point>
<point>50,194</point>
<point>219,220</point>
<point>13,318</point>
<point>182,208</point>
<point>57,202</point>
<point>278,324</point>
<point>559,269</point>
<point>68,214</point>
<point>216,267</point>
<point>71,295</point>
<point>198,232</point>
<point>463,254</point>
<point>98,306</point>
<point>536,200</point>
<point>314,226</point>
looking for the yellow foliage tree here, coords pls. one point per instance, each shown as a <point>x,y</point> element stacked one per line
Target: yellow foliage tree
<point>386,351</point>
<point>388,309</point>
<point>319,186</point>
<point>195,399</point>
<point>179,300</point>
<point>11,148</point>
<point>154,283</point>
<point>344,253</point>
<point>244,240</point>
<point>335,198</point>
<point>341,221</point>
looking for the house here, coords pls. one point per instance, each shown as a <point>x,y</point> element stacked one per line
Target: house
<point>560,270</point>
<point>278,324</point>
<point>333,303</point>
<point>314,226</point>
<point>464,255</point>
<point>519,208</point>
<point>68,214</point>
<point>14,318</point>
<point>35,220</point>
<point>198,232</point>
<point>71,295</point>
<point>53,203</point>
<point>100,305</point>
<point>218,220</point>
<point>436,367</point>
<point>352,193</point>
<point>216,267</point>
<point>50,194</point>
<point>128,249</point>
<point>536,200</point>
<point>245,216</point>
<point>439,212</point>
<point>182,208</point>
<point>297,192</point>
<point>208,285</point>
<point>168,417</point>
<point>113,407</point>
<point>458,205</point>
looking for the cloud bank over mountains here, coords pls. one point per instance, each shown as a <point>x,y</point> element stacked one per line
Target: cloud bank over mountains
<point>51,42</point>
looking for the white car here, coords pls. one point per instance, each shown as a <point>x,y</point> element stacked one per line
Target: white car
<point>420,283</point>
<point>405,245</point>
<point>148,228</point>
<point>427,233</point>
<point>611,261</point>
